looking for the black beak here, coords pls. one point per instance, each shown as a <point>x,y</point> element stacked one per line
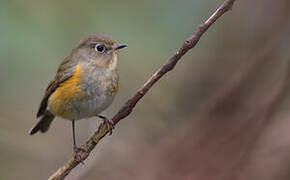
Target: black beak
<point>120,46</point>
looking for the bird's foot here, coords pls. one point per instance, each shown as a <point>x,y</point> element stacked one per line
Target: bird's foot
<point>77,152</point>
<point>109,123</point>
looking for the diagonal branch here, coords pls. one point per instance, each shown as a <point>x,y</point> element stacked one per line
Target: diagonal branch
<point>63,171</point>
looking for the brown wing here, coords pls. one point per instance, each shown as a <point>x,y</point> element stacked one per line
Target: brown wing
<point>52,86</point>
<point>64,72</point>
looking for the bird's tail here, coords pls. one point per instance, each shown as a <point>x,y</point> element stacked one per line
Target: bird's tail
<point>43,124</point>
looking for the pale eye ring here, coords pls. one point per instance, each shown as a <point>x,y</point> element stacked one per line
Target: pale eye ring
<point>100,48</point>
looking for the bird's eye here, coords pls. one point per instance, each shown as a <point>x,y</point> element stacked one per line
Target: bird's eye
<point>100,48</point>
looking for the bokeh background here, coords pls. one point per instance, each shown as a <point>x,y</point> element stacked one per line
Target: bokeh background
<point>223,113</point>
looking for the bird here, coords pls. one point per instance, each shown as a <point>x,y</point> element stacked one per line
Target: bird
<point>85,84</point>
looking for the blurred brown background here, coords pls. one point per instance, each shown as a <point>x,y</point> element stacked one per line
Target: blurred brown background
<point>222,114</point>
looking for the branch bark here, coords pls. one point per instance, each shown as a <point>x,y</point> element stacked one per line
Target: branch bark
<point>127,108</point>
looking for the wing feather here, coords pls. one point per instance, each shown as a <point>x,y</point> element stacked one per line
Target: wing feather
<point>64,72</point>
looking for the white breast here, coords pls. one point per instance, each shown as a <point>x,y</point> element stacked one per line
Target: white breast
<point>96,84</point>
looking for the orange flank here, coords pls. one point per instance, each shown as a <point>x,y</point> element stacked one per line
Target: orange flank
<point>66,93</point>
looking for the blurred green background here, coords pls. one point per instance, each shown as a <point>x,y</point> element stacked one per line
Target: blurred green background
<point>220,114</point>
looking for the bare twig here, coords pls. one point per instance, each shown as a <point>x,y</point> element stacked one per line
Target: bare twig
<point>63,171</point>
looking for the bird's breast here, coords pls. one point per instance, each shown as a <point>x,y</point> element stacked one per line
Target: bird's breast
<point>101,87</point>
<point>100,82</point>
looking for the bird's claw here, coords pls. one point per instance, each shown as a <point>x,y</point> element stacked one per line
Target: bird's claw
<point>109,123</point>
<point>77,155</point>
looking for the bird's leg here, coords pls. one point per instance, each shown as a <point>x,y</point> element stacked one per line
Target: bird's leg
<point>75,148</point>
<point>74,138</point>
<point>109,123</point>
